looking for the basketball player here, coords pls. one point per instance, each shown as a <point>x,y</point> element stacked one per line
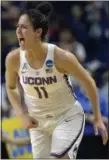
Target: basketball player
<point>54,116</point>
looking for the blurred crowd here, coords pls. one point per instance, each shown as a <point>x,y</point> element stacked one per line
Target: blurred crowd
<point>81,28</point>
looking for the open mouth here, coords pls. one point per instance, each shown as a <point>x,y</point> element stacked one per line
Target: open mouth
<point>21,40</point>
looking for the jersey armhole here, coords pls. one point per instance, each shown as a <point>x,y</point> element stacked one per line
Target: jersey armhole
<point>21,58</point>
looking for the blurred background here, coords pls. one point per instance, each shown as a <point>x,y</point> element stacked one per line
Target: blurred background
<point>81,28</point>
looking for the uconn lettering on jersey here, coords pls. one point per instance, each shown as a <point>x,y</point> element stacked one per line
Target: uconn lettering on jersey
<point>39,80</point>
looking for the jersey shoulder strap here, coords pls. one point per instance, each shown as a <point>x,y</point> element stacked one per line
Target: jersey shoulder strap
<point>22,57</point>
<point>23,62</point>
<point>50,56</point>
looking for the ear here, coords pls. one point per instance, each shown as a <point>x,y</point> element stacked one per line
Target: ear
<point>38,32</point>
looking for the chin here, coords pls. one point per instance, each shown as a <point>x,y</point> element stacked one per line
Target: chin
<point>22,47</point>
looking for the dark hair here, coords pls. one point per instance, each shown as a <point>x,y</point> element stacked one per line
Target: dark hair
<point>39,17</point>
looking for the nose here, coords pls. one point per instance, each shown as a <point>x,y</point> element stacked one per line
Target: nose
<point>18,30</point>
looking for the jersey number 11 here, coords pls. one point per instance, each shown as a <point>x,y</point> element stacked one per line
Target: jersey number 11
<point>39,91</point>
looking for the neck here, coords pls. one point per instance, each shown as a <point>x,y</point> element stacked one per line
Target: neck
<point>36,52</point>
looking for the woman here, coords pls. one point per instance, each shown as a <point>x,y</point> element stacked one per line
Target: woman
<point>55,128</point>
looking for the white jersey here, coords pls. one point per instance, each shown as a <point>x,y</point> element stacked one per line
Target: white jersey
<point>46,90</point>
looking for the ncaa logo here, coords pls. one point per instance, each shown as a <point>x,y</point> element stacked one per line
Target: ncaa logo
<point>49,63</point>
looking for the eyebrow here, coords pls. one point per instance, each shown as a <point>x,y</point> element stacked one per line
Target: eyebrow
<point>21,25</point>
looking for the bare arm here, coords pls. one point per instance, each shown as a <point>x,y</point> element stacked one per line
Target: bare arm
<point>12,68</point>
<point>90,118</point>
<point>11,82</point>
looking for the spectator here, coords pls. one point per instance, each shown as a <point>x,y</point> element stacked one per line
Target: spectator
<point>75,19</point>
<point>104,88</point>
<point>10,13</point>
<point>67,41</point>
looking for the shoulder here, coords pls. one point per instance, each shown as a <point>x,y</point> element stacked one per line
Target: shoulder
<point>61,54</point>
<point>62,58</point>
<point>13,55</point>
<point>13,58</point>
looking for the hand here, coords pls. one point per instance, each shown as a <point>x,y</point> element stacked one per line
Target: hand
<point>99,126</point>
<point>28,122</point>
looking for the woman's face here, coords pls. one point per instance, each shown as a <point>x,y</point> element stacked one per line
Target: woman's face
<point>26,35</point>
<point>65,36</point>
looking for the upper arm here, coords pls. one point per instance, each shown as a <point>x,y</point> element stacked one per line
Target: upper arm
<point>11,71</point>
<point>68,63</point>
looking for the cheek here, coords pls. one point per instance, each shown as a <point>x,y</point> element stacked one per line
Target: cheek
<point>25,33</point>
<point>29,34</point>
<point>17,31</point>
<point>32,37</point>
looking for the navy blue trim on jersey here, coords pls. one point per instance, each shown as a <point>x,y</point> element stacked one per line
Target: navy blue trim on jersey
<point>62,154</point>
<point>69,86</point>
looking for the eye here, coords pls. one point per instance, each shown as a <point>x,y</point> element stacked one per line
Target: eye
<point>17,26</point>
<point>22,26</point>
<point>25,27</point>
